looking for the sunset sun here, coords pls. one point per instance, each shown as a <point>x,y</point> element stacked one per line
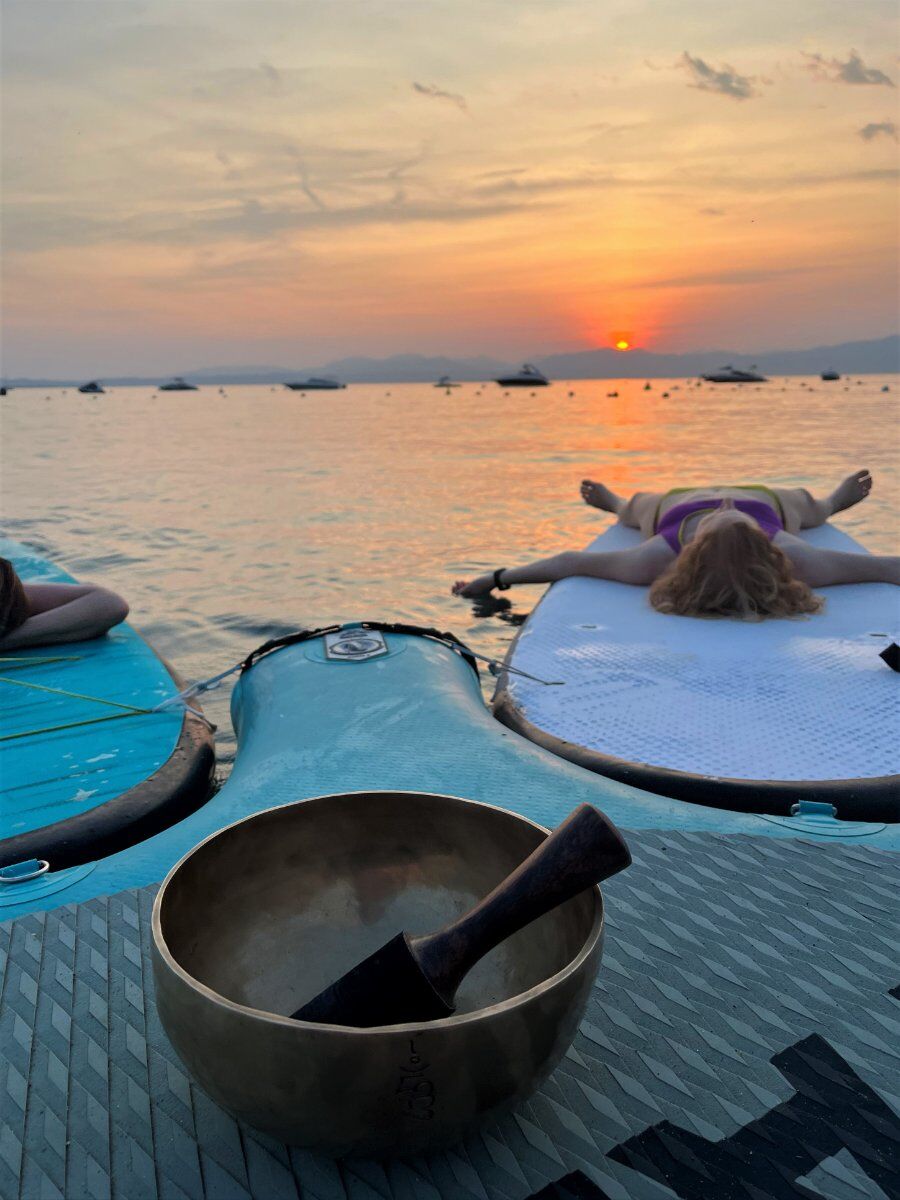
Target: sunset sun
<point>623,344</point>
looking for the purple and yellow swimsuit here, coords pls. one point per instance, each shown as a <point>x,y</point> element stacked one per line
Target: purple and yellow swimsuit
<point>769,517</point>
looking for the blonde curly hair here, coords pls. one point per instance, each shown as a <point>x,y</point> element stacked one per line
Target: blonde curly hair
<point>733,571</point>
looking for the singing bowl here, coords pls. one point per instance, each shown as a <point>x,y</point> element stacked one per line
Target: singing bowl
<point>260,917</point>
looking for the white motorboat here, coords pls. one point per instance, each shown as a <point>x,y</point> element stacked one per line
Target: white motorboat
<point>529,376</point>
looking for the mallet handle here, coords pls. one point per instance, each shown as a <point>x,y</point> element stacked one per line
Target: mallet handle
<point>584,850</point>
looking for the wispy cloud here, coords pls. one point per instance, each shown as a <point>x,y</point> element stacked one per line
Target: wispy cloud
<point>515,185</point>
<point>246,220</point>
<point>729,278</point>
<point>874,128</point>
<point>854,70</point>
<point>397,176</point>
<point>436,93</point>
<point>307,189</point>
<point>609,127</point>
<point>251,221</point>
<point>726,81</point>
<point>272,74</point>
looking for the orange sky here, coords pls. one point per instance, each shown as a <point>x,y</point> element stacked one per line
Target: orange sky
<point>205,183</point>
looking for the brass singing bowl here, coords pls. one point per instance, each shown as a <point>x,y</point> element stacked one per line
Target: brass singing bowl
<point>263,915</point>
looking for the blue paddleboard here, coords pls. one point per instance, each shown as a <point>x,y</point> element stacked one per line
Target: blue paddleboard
<point>85,769</point>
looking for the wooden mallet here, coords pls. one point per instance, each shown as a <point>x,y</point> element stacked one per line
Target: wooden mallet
<point>414,978</point>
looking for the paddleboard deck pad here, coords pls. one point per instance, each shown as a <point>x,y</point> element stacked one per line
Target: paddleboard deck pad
<point>85,770</point>
<point>750,716</point>
<point>741,1039</point>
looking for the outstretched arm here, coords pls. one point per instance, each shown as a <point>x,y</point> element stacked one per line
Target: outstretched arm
<point>824,568</point>
<point>65,612</point>
<point>639,565</point>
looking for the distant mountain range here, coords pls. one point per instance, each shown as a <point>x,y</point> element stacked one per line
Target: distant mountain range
<point>850,358</point>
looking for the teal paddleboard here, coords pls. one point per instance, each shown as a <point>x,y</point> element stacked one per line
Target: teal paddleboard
<point>85,768</point>
<point>409,717</point>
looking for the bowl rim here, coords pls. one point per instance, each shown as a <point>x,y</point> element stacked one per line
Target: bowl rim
<point>160,946</point>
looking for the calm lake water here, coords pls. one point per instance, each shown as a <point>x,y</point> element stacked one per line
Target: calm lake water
<point>228,517</point>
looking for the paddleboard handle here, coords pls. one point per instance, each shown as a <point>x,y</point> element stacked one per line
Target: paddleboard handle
<point>20,872</point>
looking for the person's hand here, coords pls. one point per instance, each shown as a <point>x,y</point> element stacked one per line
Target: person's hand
<point>463,588</point>
<point>473,587</point>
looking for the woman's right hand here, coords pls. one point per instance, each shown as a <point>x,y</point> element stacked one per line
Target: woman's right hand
<point>473,587</point>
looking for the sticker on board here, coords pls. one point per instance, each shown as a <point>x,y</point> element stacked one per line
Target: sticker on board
<point>354,645</point>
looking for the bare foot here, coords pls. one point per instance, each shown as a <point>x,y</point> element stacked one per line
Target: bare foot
<point>854,488</point>
<point>598,495</point>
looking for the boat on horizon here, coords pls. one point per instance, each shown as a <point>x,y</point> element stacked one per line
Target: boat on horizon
<point>316,383</point>
<point>731,374</point>
<point>92,389</point>
<point>529,376</point>
<point>446,382</point>
<point>830,376</point>
<point>177,384</point>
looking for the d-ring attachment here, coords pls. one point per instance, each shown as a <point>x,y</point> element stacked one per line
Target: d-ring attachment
<point>21,871</point>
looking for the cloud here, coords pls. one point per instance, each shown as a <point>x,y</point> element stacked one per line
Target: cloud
<point>248,220</point>
<point>854,70</point>
<point>712,212</point>
<point>503,173</point>
<point>306,188</point>
<point>776,185</point>
<point>732,278</point>
<point>608,127</point>
<point>726,82</point>
<point>428,89</point>
<point>872,130</point>
<point>515,185</point>
<point>272,74</point>
<point>396,175</point>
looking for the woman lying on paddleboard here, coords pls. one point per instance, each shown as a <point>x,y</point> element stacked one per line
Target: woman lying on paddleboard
<point>45,614</point>
<point>716,551</point>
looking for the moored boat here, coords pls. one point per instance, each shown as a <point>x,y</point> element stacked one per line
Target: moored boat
<point>92,389</point>
<point>734,375</point>
<point>830,376</point>
<point>528,376</point>
<point>315,383</point>
<point>177,384</point>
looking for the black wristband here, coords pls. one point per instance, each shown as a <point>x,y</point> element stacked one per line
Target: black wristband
<point>501,587</point>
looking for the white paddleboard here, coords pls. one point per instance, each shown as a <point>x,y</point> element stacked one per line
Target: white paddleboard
<point>746,715</point>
